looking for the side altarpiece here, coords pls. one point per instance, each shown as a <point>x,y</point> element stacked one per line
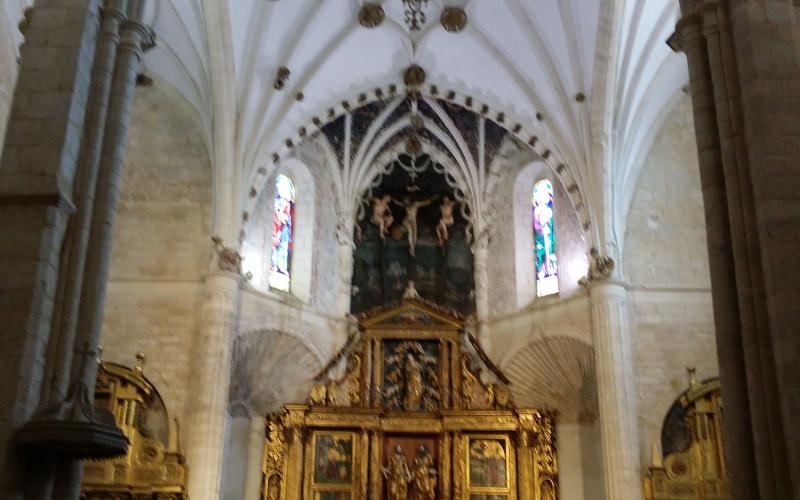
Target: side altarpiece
<point>410,408</point>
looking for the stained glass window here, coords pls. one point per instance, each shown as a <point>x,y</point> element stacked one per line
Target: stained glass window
<point>280,276</point>
<point>544,233</point>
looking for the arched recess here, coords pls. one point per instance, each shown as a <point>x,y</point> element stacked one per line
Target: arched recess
<point>257,247</point>
<point>269,369</point>
<point>571,245</point>
<point>558,373</point>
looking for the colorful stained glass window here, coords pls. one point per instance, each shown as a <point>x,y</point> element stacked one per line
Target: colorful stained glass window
<point>544,233</point>
<point>280,276</point>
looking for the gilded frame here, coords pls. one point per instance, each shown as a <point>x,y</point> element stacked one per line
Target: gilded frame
<point>509,491</point>
<point>314,489</point>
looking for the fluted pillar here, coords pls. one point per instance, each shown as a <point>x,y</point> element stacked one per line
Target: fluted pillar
<point>616,390</point>
<point>527,481</point>
<point>294,472</point>
<point>210,383</point>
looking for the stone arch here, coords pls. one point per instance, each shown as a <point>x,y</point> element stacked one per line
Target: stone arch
<point>556,372</point>
<point>537,136</point>
<point>270,368</point>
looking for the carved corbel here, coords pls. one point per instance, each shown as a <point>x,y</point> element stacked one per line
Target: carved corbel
<point>601,268</point>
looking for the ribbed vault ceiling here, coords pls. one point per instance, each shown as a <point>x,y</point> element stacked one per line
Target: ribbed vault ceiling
<point>591,77</point>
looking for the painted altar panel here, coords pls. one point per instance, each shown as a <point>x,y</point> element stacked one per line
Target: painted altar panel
<point>490,466</point>
<point>332,465</point>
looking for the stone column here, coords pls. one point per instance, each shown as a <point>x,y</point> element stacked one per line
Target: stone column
<point>210,383</point>
<point>36,181</point>
<point>344,234</point>
<point>615,380</point>
<point>744,68</point>
<point>480,249</point>
<point>255,458</point>
<point>65,320</point>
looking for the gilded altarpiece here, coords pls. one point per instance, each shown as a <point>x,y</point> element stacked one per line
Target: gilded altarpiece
<point>154,468</point>
<point>410,409</point>
<point>692,463</point>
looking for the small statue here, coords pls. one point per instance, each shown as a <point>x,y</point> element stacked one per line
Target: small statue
<point>410,220</point>
<point>447,220</point>
<point>413,373</point>
<point>382,214</point>
<point>411,291</point>
<point>397,476</point>
<point>228,259</point>
<point>423,482</point>
<point>600,268</point>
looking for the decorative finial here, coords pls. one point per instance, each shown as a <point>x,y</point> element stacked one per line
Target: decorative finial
<point>657,461</point>
<point>693,381</point>
<point>140,360</point>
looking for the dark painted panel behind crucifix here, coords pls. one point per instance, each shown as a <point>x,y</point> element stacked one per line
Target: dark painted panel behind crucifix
<point>393,247</point>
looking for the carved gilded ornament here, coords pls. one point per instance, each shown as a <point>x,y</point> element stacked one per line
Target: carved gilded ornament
<point>694,469</point>
<point>154,467</point>
<point>395,366</point>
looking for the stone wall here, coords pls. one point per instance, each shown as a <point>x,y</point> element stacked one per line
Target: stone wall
<point>161,243</point>
<point>666,263</point>
<point>512,265</point>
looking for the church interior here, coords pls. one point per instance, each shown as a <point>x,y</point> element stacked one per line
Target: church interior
<point>399,249</point>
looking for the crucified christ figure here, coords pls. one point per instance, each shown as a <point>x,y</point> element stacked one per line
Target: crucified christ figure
<point>410,221</point>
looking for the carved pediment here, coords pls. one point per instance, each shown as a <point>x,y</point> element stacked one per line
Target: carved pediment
<point>417,313</point>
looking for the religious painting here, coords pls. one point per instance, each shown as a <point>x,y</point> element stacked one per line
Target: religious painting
<point>333,495</point>
<point>333,458</point>
<point>488,463</point>
<point>411,375</point>
<point>413,226</point>
<point>282,234</point>
<point>544,232</point>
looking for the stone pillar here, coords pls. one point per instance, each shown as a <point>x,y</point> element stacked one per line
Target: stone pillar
<point>480,249</point>
<point>36,180</point>
<point>744,68</point>
<point>255,458</point>
<point>211,380</point>
<point>615,381</point>
<point>344,234</point>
